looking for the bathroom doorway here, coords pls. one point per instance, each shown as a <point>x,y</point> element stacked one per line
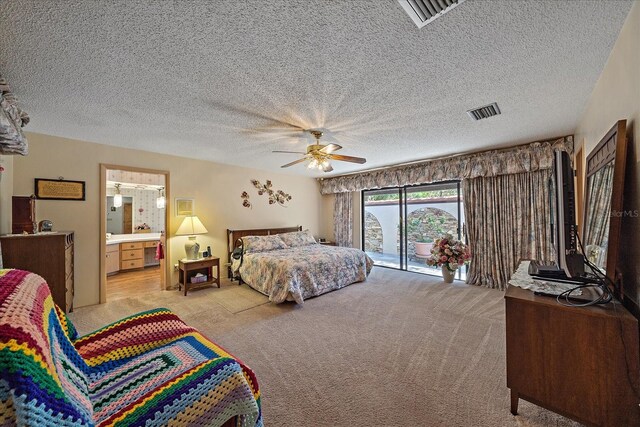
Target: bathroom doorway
<point>134,220</point>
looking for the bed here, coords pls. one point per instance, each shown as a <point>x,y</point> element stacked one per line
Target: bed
<point>287,264</point>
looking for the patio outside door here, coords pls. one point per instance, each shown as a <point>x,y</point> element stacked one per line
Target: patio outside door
<point>401,224</point>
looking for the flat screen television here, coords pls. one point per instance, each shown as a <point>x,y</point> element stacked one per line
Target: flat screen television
<point>569,262</point>
<point>564,231</point>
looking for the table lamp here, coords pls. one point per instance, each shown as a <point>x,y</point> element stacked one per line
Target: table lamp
<point>191,226</point>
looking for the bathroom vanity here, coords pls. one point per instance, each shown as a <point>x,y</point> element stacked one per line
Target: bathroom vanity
<point>131,251</point>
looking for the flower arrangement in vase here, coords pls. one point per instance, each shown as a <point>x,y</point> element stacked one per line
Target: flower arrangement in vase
<point>449,254</point>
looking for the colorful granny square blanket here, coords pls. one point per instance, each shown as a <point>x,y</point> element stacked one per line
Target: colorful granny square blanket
<point>149,369</point>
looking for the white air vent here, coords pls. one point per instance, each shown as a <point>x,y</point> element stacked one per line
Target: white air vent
<point>484,112</point>
<point>424,11</point>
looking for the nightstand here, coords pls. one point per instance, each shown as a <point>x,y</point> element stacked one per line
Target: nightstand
<point>189,268</point>
<point>328,243</point>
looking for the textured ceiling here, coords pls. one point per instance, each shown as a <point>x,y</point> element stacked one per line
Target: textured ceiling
<point>228,81</point>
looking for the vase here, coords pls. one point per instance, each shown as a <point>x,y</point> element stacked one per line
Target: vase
<point>447,274</point>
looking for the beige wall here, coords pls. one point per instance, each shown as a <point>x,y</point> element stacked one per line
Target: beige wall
<point>617,96</point>
<point>6,191</point>
<point>216,188</point>
<point>327,203</point>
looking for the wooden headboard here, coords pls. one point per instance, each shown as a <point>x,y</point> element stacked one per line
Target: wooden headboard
<point>234,235</point>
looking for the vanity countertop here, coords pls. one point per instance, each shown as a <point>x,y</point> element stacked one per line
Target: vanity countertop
<point>127,238</point>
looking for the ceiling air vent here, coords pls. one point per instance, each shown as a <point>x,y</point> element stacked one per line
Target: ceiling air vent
<point>484,112</point>
<point>424,11</point>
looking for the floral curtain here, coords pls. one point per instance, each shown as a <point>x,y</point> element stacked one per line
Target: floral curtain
<point>507,220</point>
<point>525,158</point>
<point>596,230</point>
<point>342,220</point>
<point>12,119</point>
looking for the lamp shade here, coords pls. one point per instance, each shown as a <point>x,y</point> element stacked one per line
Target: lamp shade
<point>191,225</point>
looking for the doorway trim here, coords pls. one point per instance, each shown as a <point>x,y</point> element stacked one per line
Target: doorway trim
<point>165,266</point>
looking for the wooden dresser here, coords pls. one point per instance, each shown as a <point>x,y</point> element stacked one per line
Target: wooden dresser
<point>581,362</point>
<point>48,254</point>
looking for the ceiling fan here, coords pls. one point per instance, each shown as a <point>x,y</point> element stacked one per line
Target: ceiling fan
<point>319,155</point>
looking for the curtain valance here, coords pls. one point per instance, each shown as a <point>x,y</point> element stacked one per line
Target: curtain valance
<point>524,158</point>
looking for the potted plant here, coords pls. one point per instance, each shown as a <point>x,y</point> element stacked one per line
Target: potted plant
<point>449,254</point>
<point>423,247</point>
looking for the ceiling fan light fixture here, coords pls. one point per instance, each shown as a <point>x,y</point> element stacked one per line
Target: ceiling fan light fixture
<point>319,155</point>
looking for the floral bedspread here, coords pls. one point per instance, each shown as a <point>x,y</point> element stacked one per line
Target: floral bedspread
<point>304,271</point>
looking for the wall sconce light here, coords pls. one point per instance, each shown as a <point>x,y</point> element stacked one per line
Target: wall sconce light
<point>161,201</point>
<point>117,199</point>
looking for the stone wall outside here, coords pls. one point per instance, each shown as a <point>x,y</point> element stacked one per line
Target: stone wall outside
<point>373,233</point>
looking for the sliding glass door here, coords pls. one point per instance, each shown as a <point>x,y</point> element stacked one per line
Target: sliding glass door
<point>382,227</point>
<point>400,225</point>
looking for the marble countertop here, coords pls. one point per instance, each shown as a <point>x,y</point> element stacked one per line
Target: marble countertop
<point>126,238</point>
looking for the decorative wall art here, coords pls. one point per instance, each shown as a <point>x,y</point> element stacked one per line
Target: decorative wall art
<point>185,207</point>
<point>245,199</point>
<point>275,196</point>
<point>59,189</point>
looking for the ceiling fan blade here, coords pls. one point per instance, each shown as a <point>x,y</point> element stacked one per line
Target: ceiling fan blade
<point>327,168</point>
<point>291,152</point>
<point>348,158</point>
<point>294,162</point>
<point>330,148</point>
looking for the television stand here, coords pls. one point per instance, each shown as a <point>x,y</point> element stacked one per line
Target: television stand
<point>580,362</point>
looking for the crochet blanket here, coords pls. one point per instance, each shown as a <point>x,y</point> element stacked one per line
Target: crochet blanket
<point>148,369</point>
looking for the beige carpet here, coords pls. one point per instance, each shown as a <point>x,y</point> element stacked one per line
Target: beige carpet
<point>401,349</point>
<point>237,298</point>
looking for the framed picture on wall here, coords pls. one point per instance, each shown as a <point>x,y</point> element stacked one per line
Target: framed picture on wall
<point>185,207</point>
<point>59,189</point>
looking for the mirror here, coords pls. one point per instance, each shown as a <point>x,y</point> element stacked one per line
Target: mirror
<point>120,220</point>
<point>139,212</point>
<point>603,202</point>
<point>598,212</point>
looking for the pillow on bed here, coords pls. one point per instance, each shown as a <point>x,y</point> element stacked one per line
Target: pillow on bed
<point>254,244</point>
<point>298,238</point>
